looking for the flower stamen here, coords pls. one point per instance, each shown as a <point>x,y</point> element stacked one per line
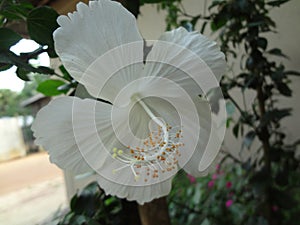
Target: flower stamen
<point>159,151</point>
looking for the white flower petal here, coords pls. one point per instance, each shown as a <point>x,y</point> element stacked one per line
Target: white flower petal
<point>53,131</point>
<point>206,49</point>
<point>188,58</point>
<point>141,194</point>
<point>135,129</point>
<point>86,43</point>
<point>67,129</point>
<point>212,132</point>
<point>191,164</point>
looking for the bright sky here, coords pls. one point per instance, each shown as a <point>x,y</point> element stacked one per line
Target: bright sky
<point>8,78</point>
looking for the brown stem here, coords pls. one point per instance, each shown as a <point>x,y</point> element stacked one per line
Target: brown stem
<point>264,133</point>
<point>155,212</point>
<point>264,136</point>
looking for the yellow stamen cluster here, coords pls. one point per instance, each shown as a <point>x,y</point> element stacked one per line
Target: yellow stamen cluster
<point>156,155</point>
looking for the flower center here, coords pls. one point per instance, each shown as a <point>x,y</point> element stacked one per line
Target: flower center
<point>157,154</point>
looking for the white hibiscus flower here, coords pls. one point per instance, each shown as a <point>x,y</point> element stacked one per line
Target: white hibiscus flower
<point>156,123</point>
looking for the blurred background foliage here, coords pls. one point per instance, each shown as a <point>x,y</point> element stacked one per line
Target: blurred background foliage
<point>260,189</point>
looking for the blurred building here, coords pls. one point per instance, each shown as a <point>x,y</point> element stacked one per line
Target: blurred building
<point>11,139</point>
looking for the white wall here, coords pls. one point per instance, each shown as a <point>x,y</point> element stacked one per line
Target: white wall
<point>11,139</point>
<point>288,18</point>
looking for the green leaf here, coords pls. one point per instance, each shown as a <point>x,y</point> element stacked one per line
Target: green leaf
<point>282,177</point>
<point>284,89</point>
<point>284,198</point>
<point>51,52</point>
<point>235,129</point>
<point>151,1</point>
<point>8,38</point>
<point>79,220</point>
<point>8,57</point>
<point>132,6</point>
<point>88,200</point>
<point>5,66</point>
<point>262,43</point>
<point>228,121</point>
<point>205,222</point>
<point>65,73</point>
<point>16,10</point>
<point>216,3</point>
<point>45,70</point>
<point>277,2</point>
<point>41,23</point>
<point>73,202</point>
<point>260,180</point>
<point>248,139</point>
<point>23,74</point>
<point>243,5</point>
<point>275,115</point>
<point>50,87</point>
<point>93,222</point>
<point>262,221</point>
<point>291,72</point>
<point>217,23</point>
<point>278,75</point>
<point>277,52</point>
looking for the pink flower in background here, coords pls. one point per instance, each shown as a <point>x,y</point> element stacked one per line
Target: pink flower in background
<point>275,208</point>
<point>191,178</point>
<point>228,184</point>
<point>218,170</point>
<point>229,203</point>
<point>211,184</point>
<point>214,176</point>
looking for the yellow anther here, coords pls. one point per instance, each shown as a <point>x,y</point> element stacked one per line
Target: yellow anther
<point>136,178</point>
<point>115,149</point>
<point>114,155</point>
<point>120,152</point>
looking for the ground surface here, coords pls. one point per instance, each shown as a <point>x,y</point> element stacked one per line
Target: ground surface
<point>31,191</point>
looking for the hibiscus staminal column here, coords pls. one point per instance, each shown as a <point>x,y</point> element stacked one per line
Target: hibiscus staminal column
<point>156,211</point>
<point>160,124</point>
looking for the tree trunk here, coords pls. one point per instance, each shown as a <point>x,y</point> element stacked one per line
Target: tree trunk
<point>155,212</point>
<point>264,137</point>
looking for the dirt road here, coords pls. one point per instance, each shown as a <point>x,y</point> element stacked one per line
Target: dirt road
<point>27,171</point>
<point>31,191</point>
